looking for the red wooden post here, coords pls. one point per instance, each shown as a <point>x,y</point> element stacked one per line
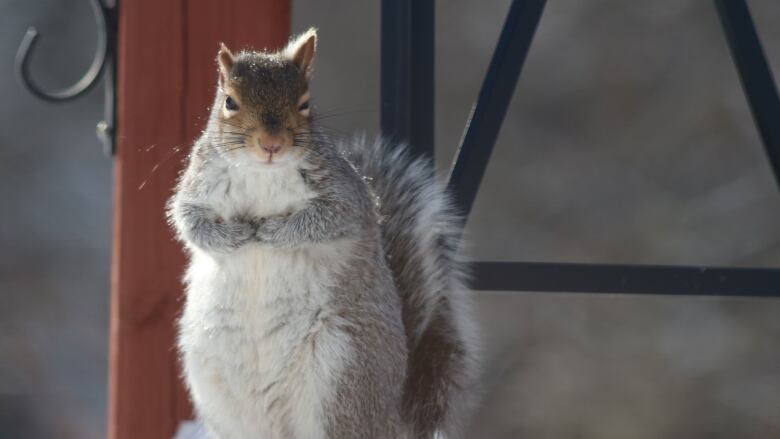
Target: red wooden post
<point>166,78</point>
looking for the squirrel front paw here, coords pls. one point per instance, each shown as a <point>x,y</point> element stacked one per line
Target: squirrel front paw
<point>268,227</point>
<point>240,231</point>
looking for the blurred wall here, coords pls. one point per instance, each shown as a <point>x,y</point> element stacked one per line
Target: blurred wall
<point>628,140</point>
<point>55,208</point>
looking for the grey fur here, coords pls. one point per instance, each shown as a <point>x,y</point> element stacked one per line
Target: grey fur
<point>203,227</point>
<point>342,208</point>
<point>400,299</point>
<point>441,381</point>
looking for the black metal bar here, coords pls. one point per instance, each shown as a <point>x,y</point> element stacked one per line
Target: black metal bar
<point>627,279</point>
<point>395,74</point>
<point>754,73</point>
<point>494,97</point>
<point>407,73</point>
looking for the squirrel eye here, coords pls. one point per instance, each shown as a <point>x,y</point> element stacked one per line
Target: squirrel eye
<point>304,106</point>
<point>231,104</point>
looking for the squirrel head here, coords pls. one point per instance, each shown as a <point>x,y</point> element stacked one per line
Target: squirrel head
<point>263,97</point>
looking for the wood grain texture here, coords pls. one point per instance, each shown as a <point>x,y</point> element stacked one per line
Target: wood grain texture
<point>166,78</point>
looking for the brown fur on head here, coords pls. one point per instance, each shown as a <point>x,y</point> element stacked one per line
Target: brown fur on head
<point>265,96</point>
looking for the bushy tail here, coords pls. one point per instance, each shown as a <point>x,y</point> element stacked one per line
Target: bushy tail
<point>420,233</point>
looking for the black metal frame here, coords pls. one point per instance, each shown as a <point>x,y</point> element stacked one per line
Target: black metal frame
<point>407,115</point>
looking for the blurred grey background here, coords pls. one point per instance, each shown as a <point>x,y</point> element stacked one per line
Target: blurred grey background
<point>628,140</point>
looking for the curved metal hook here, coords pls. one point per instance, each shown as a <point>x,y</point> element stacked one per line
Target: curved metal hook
<point>86,82</point>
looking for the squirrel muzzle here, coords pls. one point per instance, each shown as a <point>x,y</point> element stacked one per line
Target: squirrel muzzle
<point>270,147</point>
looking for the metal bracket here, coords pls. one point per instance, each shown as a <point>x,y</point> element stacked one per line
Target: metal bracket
<point>104,64</point>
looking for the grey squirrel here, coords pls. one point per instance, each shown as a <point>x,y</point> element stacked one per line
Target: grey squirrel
<point>325,297</point>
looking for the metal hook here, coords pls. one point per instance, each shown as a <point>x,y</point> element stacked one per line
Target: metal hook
<point>86,82</point>
<point>102,65</point>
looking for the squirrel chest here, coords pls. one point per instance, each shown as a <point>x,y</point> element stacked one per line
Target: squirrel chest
<point>259,333</point>
<point>236,190</point>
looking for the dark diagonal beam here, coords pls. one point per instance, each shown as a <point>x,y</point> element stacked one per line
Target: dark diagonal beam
<point>494,97</point>
<point>754,73</point>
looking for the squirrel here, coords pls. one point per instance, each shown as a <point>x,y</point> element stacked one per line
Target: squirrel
<point>325,296</point>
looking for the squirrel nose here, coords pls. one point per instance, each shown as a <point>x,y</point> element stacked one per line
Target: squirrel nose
<point>271,148</point>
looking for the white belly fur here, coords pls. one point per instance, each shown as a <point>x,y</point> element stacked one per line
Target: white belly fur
<point>260,343</point>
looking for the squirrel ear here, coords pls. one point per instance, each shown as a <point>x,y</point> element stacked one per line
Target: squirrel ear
<point>301,51</point>
<point>225,62</point>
